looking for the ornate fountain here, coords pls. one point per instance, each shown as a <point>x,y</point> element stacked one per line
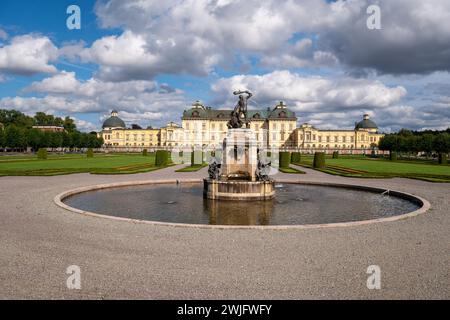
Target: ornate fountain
<point>242,173</point>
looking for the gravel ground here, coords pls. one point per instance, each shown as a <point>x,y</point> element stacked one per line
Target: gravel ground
<point>118,259</point>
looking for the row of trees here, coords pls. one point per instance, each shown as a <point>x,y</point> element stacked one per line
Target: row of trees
<point>17,138</point>
<point>16,132</point>
<point>410,142</point>
<point>17,118</point>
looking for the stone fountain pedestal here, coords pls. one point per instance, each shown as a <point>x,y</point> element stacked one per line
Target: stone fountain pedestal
<point>238,179</point>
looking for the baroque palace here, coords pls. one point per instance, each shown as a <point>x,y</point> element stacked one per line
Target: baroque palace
<point>274,127</point>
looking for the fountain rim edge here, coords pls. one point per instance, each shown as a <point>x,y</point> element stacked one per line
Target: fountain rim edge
<point>423,203</point>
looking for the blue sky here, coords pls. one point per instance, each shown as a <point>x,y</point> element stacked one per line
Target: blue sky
<point>151,59</point>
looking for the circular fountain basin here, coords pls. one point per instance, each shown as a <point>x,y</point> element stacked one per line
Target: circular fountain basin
<point>295,205</point>
<point>238,190</point>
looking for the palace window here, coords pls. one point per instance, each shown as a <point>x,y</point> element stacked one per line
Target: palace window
<point>328,140</point>
<point>117,135</point>
<point>320,138</point>
<point>336,139</point>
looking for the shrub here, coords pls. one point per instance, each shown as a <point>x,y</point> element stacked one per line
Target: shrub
<point>442,158</point>
<point>393,156</point>
<point>319,160</point>
<point>285,159</point>
<point>42,153</point>
<point>162,158</point>
<point>335,154</point>
<point>144,152</point>
<point>296,157</point>
<point>90,153</point>
<point>196,157</point>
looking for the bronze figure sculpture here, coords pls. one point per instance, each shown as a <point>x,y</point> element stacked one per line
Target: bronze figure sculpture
<point>239,114</point>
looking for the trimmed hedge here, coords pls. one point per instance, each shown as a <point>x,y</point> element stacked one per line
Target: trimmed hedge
<point>296,157</point>
<point>162,158</point>
<point>393,156</point>
<point>442,158</point>
<point>319,160</point>
<point>335,154</point>
<point>284,159</point>
<point>90,153</point>
<point>144,152</point>
<point>42,153</point>
<point>196,157</point>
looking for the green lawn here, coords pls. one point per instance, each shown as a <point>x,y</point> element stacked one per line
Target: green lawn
<point>76,163</point>
<point>380,168</point>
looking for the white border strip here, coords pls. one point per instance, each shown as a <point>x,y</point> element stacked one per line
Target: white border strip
<point>425,206</point>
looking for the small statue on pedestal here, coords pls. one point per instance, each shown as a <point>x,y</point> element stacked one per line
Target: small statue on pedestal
<point>214,169</point>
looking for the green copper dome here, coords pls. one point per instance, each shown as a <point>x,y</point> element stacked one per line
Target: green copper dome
<point>366,123</point>
<point>114,121</point>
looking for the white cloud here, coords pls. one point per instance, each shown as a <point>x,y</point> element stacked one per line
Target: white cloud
<point>64,82</point>
<point>27,55</point>
<point>139,101</point>
<point>85,126</point>
<point>3,35</point>
<point>415,37</point>
<point>311,93</point>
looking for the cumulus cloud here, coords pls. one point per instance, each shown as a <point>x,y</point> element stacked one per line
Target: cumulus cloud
<point>311,93</point>
<point>64,82</point>
<point>85,126</point>
<point>326,102</point>
<point>415,35</point>
<point>3,35</point>
<point>138,101</point>
<point>27,55</point>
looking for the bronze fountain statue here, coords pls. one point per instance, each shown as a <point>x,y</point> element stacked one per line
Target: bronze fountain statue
<point>242,173</point>
<point>239,114</point>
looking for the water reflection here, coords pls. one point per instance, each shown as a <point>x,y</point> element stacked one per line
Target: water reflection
<point>238,213</point>
<point>293,204</point>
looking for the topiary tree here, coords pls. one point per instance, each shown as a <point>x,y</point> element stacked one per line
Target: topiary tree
<point>196,157</point>
<point>42,153</point>
<point>335,154</point>
<point>296,157</point>
<point>319,160</point>
<point>441,144</point>
<point>285,159</point>
<point>90,153</point>
<point>442,158</point>
<point>162,158</point>
<point>393,155</point>
<point>144,152</point>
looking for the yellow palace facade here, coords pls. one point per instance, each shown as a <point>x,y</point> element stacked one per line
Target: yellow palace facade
<point>274,127</point>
